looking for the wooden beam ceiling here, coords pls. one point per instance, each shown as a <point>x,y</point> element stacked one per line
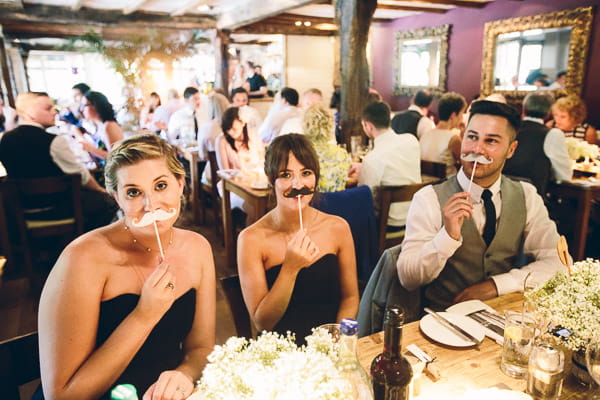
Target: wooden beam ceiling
<point>133,6</point>
<point>257,10</point>
<point>411,8</point>
<point>456,3</point>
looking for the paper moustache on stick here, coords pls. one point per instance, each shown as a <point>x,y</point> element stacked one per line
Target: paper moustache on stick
<point>298,192</point>
<point>153,216</point>
<point>475,158</point>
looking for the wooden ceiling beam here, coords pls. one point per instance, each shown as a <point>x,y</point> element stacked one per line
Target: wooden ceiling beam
<point>190,5</point>
<point>77,4</point>
<point>257,10</point>
<point>33,13</point>
<point>456,3</point>
<point>133,6</point>
<point>411,8</point>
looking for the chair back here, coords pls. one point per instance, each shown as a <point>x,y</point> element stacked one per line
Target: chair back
<point>433,168</point>
<point>387,196</point>
<point>5,247</point>
<point>241,318</point>
<point>356,207</point>
<point>19,364</point>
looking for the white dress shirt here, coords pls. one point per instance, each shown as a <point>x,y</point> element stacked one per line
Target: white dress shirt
<point>394,160</point>
<point>427,245</point>
<point>555,148</point>
<point>271,126</point>
<point>425,124</point>
<point>181,123</point>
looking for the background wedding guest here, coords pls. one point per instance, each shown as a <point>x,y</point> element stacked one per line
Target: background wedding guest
<point>334,161</point>
<point>184,123</point>
<point>415,119</point>
<point>568,115</point>
<point>210,130</point>
<point>560,82</point>
<point>442,144</point>
<point>114,310</point>
<point>96,108</point>
<point>162,114</point>
<point>296,279</point>
<point>284,108</point>
<point>248,114</point>
<point>295,124</point>
<point>256,84</point>
<point>147,111</point>
<point>28,151</point>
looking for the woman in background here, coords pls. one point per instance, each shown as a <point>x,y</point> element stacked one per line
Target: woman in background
<point>147,111</point>
<point>113,309</point>
<point>334,162</point>
<point>569,113</point>
<point>296,279</point>
<point>97,108</point>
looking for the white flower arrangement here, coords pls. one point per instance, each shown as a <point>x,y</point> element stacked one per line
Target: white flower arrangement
<point>572,302</point>
<point>581,149</point>
<point>274,367</point>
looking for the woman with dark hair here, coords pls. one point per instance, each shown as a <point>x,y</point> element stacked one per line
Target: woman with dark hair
<point>98,109</point>
<point>147,111</point>
<point>296,264</point>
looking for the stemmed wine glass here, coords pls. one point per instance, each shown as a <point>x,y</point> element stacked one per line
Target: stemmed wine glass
<point>592,359</point>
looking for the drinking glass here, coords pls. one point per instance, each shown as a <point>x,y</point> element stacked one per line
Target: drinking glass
<point>355,142</point>
<point>545,372</point>
<point>519,336</point>
<point>592,359</point>
<point>333,330</point>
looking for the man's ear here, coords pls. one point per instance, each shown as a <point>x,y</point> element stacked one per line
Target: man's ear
<point>511,149</point>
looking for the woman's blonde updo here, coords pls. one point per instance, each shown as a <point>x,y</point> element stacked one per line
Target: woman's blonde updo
<point>572,105</point>
<point>318,123</point>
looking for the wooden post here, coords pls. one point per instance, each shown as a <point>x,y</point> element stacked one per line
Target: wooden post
<point>222,41</point>
<point>6,75</point>
<point>354,19</point>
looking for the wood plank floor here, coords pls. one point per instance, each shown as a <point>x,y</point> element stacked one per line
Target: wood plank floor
<point>18,305</point>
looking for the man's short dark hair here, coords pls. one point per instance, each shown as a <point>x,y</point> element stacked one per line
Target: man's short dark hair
<point>82,87</point>
<point>189,92</point>
<point>561,74</point>
<point>423,98</point>
<point>377,113</point>
<point>505,111</point>
<point>451,103</point>
<point>537,104</point>
<point>290,95</point>
<point>238,90</point>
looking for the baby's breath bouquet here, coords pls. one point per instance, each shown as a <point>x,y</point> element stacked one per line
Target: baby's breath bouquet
<point>572,302</point>
<point>274,367</point>
<point>581,149</point>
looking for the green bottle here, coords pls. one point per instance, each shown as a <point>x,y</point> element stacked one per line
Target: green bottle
<point>124,392</point>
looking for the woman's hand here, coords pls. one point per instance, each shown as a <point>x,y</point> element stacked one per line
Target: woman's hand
<point>171,385</point>
<point>301,251</point>
<point>158,293</point>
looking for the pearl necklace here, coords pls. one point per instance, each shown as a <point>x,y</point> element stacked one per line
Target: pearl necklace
<point>148,249</point>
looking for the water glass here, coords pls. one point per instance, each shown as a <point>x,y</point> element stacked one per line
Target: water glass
<point>355,143</point>
<point>545,372</point>
<point>519,337</point>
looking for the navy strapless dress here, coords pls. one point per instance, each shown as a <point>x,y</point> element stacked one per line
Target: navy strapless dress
<point>315,299</point>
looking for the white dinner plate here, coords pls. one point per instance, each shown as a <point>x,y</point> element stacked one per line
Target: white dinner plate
<point>229,173</point>
<point>469,306</point>
<point>439,333</point>
<point>259,185</point>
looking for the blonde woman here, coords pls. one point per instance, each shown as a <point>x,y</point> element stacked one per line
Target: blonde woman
<point>334,161</point>
<point>569,113</point>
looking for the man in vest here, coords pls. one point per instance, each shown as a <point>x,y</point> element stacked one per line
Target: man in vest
<point>542,153</point>
<point>464,246</point>
<point>414,119</point>
<point>28,151</point>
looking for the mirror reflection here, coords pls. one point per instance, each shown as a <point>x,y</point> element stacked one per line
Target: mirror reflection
<point>420,61</point>
<point>531,59</point>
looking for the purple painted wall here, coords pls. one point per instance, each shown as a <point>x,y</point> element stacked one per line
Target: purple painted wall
<point>466,47</point>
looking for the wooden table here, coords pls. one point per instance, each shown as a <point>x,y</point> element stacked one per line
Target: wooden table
<point>584,191</point>
<point>463,369</point>
<point>257,200</point>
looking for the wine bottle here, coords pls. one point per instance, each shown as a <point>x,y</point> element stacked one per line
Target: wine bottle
<point>391,373</point>
<point>124,392</point>
<point>348,364</point>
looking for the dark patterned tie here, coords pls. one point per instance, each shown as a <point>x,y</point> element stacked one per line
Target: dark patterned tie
<point>489,229</point>
<point>195,124</point>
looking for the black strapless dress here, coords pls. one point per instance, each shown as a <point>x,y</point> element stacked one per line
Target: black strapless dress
<point>162,350</point>
<point>315,299</point>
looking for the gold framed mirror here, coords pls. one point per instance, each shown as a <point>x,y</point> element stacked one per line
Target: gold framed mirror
<point>420,59</point>
<point>524,54</point>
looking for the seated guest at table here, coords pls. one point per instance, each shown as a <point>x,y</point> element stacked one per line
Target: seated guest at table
<point>284,108</point>
<point>568,114</point>
<point>560,82</point>
<point>248,114</point>
<point>256,84</point>
<point>184,123</point>
<point>394,160</point>
<point>74,113</point>
<point>334,162</point>
<point>542,152</point>
<point>97,109</point>
<point>162,114</point>
<point>295,124</point>
<point>210,130</point>
<point>442,144</point>
<point>114,310</point>
<point>148,111</point>
<point>463,246</point>
<point>415,119</point>
<point>296,279</point>
<point>28,151</point>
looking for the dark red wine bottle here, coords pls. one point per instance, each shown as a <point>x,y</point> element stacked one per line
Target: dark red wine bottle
<point>391,373</point>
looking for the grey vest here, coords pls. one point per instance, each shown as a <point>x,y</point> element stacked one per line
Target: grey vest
<point>473,262</point>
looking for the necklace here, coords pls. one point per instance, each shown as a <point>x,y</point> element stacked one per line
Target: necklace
<point>148,249</point>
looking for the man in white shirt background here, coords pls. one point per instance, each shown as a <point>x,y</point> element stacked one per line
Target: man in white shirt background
<point>394,160</point>
<point>184,123</point>
<point>163,113</point>
<point>464,246</point>
<point>415,119</point>
<point>294,125</point>
<point>282,110</point>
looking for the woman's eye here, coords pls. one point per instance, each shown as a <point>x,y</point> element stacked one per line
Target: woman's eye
<point>307,172</point>
<point>284,175</point>
<point>132,193</point>
<point>161,185</point>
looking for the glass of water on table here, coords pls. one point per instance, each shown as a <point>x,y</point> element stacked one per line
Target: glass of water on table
<point>519,338</point>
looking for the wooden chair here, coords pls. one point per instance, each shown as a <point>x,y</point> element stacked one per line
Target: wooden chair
<point>241,317</point>
<point>5,246</point>
<point>387,196</point>
<point>210,190</point>
<point>29,225</point>
<point>19,364</point>
<point>433,168</point>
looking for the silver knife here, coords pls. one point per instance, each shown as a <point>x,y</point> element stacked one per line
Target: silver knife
<point>453,327</point>
<point>486,323</point>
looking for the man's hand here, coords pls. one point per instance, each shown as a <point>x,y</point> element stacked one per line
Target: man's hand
<point>457,209</point>
<point>481,291</point>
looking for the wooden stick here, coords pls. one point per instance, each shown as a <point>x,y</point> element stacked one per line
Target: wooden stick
<point>300,211</point>
<point>160,248</point>
<point>472,175</point>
